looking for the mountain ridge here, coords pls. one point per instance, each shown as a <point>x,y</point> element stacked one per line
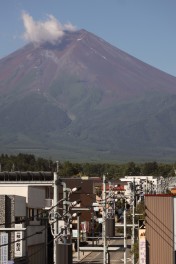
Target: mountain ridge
<point>83,99</point>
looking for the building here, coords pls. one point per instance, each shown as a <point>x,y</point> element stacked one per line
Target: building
<point>12,208</point>
<point>87,195</point>
<point>23,199</point>
<point>160,223</point>
<point>143,185</point>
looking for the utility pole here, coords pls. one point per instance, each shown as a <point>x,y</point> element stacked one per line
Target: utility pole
<point>60,224</point>
<point>133,220</point>
<point>66,214</point>
<point>78,232</point>
<point>105,248</point>
<point>55,201</point>
<point>64,242</point>
<point>125,235</point>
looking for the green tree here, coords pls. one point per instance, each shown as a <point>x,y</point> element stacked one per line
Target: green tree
<point>150,168</point>
<point>132,169</point>
<point>67,169</point>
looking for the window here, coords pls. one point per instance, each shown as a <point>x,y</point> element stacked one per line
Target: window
<point>31,214</point>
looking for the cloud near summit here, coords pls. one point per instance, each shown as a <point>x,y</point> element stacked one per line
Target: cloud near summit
<point>50,30</point>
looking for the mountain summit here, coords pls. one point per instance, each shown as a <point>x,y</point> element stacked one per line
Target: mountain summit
<point>83,99</point>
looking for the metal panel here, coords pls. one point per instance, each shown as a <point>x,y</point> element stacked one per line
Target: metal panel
<point>110,227</point>
<point>37,254</point>
<point>64,255</point>
<point>159,229</point>
<point>175,223</point>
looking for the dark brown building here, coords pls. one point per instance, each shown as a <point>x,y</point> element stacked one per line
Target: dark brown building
<point>87,194</point>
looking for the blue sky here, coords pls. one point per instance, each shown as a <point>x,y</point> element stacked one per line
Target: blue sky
<point>145,29</point>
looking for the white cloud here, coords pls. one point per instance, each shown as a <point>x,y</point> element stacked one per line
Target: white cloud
<point>50,30</point>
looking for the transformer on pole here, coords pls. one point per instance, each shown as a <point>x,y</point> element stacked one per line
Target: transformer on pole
<point>60,222</point>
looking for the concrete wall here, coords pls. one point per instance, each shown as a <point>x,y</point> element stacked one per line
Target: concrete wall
<point>34,238</point>
<point>20,206</point>
<point>2,211</point>
<point>36,197</point>
<point>7,219</point>
<point>14,190</point>
<point>15,206</point>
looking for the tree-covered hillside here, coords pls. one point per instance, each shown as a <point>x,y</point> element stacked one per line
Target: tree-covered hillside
<point>28,162</point>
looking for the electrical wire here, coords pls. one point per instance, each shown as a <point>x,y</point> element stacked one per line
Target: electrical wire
<point>34,216</point>
<point>30,218</point>
<point>36,233</point>
<point>47,244</point>
<point>24,238</point>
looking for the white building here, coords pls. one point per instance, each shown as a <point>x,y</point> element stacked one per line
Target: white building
<point>143,185</point>
<point>24,196</point>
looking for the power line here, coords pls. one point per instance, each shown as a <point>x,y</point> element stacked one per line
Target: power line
<point>36,233</point>
<point>30,218</point>
<point>47,244</point>
<point>24,238</point>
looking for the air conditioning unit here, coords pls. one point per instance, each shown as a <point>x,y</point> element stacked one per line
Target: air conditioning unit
<point>48,203</point>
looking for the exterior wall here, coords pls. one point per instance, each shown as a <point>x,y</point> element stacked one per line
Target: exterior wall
<point>173,191</point>
<point>17,199</point>
<point>20,206</point>
<point>159,229</point>
<point>12,206</point>
<point>40,257</point>
<point>2,212</point>
<point>149,183</point>
<point>9,212</point>
<point>36,197</point>
<point>34,239</point>
<point>15,189</point>
<point>7,219</point>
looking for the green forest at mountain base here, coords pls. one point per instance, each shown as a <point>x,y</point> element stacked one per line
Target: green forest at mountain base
<point>29,162</point>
